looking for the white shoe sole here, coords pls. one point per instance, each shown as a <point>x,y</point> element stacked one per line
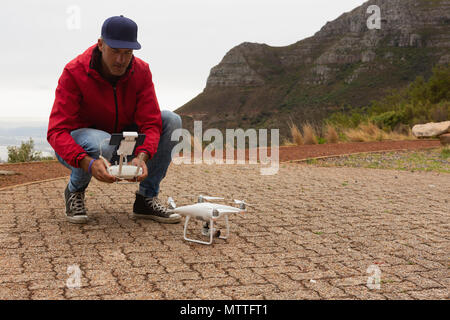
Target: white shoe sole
<point>174,218</point>
<point>77,219</point>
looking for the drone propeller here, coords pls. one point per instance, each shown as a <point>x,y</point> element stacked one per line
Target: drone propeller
<point>211,198</point>
<point>202,197</point>
<point>171,203</point>
<point>242,202</point>
<point>199,195</point>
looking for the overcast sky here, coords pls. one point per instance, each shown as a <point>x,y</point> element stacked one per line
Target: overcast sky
<point>181,40</point>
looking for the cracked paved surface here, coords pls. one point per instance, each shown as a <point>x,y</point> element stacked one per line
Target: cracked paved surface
<point>312,233</point>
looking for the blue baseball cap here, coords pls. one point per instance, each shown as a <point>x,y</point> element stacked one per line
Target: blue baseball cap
<point>120,32</point>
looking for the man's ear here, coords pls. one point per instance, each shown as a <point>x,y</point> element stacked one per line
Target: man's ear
<point>100,44</point>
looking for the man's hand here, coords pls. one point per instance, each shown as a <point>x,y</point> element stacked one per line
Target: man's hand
<point>140,161</point>
<point>98,170</point>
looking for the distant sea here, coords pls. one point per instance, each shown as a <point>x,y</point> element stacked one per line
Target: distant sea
<point>14,136</point>
<point>4,153</point>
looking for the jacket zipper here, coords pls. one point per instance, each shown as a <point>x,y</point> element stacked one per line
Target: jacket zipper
<point>117,110</point>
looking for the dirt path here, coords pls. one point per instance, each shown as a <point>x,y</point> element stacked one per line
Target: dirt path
<point>28,172</point>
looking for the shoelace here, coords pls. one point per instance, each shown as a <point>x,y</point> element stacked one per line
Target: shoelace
<point>156,205</point>
<point>76,200</point>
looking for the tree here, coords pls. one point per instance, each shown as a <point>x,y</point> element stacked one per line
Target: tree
<point>24,153</point>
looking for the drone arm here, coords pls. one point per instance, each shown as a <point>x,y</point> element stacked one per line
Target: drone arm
<point>226,212</point>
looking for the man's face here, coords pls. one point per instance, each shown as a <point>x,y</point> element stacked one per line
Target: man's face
<point>115,60</point>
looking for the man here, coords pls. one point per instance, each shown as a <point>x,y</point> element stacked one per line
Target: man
<point>108,90</point>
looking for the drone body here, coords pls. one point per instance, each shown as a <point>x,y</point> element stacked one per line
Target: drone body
<point>205,211</point>
<point>209,213</point>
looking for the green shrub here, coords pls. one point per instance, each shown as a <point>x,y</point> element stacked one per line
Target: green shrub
<point>25,153</point>
<point>351,119</point>
<point>441,111</point>
<point>422,101</point>
<point>445,153</point>
<point>389,119</point>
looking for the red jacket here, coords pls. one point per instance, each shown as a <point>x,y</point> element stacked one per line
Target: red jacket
<point>84,99</point>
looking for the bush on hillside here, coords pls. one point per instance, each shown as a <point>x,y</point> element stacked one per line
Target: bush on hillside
<point>389,119</point>
<point>309,134</point>
<point>422,101</point>
<point>25,153</point>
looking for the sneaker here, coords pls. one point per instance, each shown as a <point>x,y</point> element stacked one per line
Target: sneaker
<point>75,210</point>
<point>151,208</point>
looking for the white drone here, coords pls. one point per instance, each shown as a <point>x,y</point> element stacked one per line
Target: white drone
<point>209,213</point>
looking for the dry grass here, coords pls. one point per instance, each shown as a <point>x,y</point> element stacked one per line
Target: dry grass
<point>401,136</point>
<point>403,133</point>
<point>365,132</point>
<point>370,132</point>
<point>297,137</point>
<point>309,134</point>
<point>331,134</point>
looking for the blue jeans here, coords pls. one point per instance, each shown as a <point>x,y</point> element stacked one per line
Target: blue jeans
<point>92,140</point>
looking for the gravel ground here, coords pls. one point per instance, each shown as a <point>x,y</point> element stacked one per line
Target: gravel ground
<point>312,233</point>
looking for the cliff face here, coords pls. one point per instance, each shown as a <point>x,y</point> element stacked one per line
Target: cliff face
<point>345,63</point>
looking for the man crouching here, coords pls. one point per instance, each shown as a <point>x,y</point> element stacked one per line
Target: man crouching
<point>108,90</point>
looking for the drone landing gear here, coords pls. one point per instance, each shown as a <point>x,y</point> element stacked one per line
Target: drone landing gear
<point>208,229</point>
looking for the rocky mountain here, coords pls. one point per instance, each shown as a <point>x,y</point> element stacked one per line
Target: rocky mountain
<point>345,63</point>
